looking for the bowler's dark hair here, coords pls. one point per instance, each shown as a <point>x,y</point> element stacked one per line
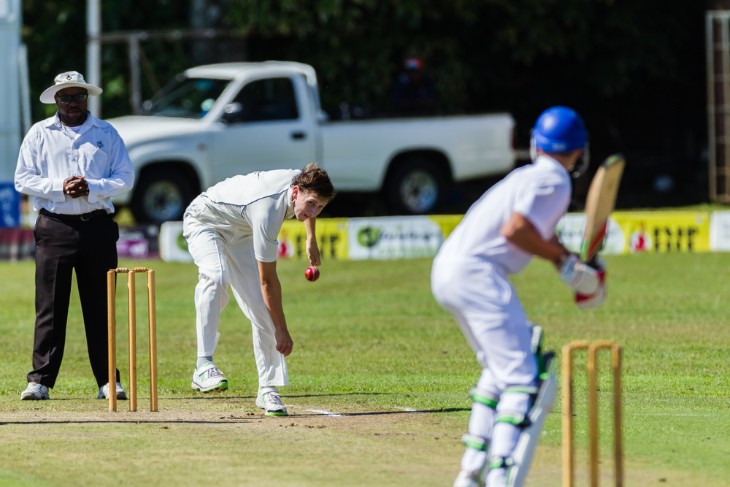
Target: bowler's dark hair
<point>314,179</point>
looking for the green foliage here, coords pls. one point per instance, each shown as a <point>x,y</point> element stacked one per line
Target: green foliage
<point>55,34</point>
<point>484,55</point>
<point>478,51</point>
<point>634,69</point>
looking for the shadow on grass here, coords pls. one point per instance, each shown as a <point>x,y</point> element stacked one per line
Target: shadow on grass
<point>218,395</point>
<point>415,411</point>
<point>127,421</point>
<point>230,419</point>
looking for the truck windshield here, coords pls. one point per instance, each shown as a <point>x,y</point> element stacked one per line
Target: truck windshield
<point>185,97</point>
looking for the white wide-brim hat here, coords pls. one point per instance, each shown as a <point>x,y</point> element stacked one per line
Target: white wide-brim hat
<point>65,80</point>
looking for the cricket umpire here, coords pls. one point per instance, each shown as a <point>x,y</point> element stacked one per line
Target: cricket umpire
<point>71,165</point>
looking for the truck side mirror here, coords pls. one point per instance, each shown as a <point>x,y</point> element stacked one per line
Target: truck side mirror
<point>232,113</point>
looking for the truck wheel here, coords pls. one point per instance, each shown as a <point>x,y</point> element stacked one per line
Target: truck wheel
<point>415,188</point>
<point>161,196</point>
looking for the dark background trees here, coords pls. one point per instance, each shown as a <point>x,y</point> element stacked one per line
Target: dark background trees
<point>634,69</point>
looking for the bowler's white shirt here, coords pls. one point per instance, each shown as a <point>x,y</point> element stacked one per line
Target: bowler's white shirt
<point>51,153</point>
<point>253,205</point>
<point>539,191</point>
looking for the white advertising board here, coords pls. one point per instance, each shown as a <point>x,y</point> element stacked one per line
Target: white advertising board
<point>393,237</point>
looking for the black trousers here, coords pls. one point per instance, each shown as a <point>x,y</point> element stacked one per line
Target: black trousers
<point>64,245</point>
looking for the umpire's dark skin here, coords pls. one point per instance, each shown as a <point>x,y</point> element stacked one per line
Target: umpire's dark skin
<point>73,114</point>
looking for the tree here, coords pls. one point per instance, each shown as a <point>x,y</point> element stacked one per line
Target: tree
<point>634,69</point>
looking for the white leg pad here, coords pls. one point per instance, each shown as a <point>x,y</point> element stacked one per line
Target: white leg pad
<point>525,449</point>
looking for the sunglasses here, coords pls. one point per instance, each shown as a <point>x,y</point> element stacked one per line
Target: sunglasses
<point>78,98</point>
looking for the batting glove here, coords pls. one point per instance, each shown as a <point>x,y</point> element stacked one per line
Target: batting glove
<point>585,301</point>
<point>597,263</point>
<point>581,277</point>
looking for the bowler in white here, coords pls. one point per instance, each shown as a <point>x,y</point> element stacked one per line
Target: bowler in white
<point>232,230</point>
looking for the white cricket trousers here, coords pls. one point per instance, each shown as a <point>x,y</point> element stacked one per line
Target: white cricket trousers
<point>220,265</point>
<point>490,315</point>
<point>485,304</point>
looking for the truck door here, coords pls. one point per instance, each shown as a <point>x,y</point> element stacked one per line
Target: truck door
<point>266,127</point>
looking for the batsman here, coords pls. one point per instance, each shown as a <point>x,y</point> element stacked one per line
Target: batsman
<point>511,223</point>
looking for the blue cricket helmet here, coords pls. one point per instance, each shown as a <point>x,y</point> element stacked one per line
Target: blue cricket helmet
<point>559,129</point>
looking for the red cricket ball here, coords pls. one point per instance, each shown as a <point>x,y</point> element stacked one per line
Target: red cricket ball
<point>311,273</point>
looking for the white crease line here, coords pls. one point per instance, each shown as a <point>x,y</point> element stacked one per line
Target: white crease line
<point>323,412</point>
<point>336,415</point>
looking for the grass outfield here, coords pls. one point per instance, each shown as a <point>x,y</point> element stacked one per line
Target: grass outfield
<point>379,382</point>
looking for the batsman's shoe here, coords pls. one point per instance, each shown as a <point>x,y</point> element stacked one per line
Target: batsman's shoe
<point>270,402</point>
<point>104,392</point>
<point>498,476</point>
<point>34,392</point>
<point>467,478</point>
<point>209,378</point>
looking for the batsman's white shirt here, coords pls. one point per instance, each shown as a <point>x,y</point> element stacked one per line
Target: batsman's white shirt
<point>229,228</point>
<point>470,273</point>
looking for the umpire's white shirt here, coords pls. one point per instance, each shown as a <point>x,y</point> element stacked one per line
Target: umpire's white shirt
<point>230,228</point>
<point>52,152</point>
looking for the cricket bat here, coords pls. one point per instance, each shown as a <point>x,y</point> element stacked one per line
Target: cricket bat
<point>600,202</point>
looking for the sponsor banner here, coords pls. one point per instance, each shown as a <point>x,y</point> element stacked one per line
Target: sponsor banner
<point>642,231</point>
<point>134,243</point>
<point>447,223</point>
<point>331,239</point>
<point>140,242</point>
<point>637,232</point>
<point>720,231</point>
<point>571,227</point>
<point>393,237</point>
<point>665,231</point>
<point>173,246</point>
<point>421,236</point>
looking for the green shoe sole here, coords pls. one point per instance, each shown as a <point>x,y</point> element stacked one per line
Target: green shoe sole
<point>277,413</point>
<point>218,388</point>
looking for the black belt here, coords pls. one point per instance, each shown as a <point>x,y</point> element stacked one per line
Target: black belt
<point>84,217</point>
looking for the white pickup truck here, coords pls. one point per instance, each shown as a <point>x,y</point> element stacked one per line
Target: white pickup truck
<point>215,121</point>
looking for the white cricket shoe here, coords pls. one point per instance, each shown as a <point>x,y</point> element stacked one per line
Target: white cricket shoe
<point>209,378</point>
<point>497,476</point>
<point>104,392</point>
<point>34,392</point>
<point>270,401</point>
